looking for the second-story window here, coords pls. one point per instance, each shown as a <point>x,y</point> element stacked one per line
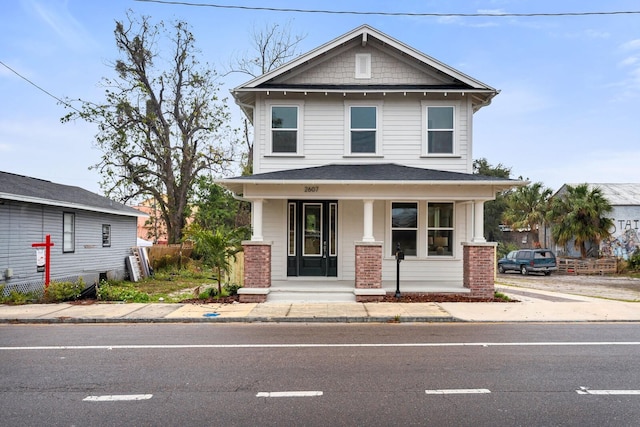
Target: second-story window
<point>284,129</point>
<point>363,125</point>
<point>440,129</point>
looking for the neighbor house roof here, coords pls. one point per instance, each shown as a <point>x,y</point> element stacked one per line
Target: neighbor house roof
<point>380,173</point>
<point>623,194</point>
<point>38,191</point>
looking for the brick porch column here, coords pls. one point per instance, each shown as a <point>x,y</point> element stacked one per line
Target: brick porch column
<point>479,260</point>
<point>257,271</point>
<point>369,272</point>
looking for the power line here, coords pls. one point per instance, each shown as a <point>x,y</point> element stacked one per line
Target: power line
<point>408,14</point>
<point>65,103</point>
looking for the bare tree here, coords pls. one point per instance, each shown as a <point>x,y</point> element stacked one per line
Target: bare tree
<point>159,129</point>
<point>271,46</point>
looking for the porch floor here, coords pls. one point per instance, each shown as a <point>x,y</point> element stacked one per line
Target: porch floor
<point>327,290</point>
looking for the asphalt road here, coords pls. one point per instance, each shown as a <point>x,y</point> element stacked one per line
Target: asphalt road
<point>327,374</point>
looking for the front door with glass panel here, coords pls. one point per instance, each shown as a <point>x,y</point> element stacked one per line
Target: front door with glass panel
<point>312,246</point>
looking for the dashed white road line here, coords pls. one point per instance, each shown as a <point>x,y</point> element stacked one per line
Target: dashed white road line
<point>459,391</point>
<point>289,394</point>
<point>117,397</point>
<point>608,392</point>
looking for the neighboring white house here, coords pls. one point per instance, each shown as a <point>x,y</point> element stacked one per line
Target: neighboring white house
<point>363,146</point>
<point>625,240</point>
<point>91,234</point>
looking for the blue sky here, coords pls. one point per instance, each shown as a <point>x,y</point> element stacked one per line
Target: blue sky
<point>568,111</point>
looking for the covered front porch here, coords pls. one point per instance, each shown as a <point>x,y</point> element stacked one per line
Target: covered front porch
<point>333,232</point>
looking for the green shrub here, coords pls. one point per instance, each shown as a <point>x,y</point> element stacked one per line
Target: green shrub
<point>634,261</point>
<point>63,291</point>
<point>125,292</point>
<point>18,298</point>
<point>232,288</point>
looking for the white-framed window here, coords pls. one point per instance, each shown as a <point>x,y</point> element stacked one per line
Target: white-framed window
<point>439,126</point>
<point>363,66</point>
<point>68,232</point>
<point>106,235</point>
<point>440,230</point>
<point>363,129</point>
<point>404,227</point>
<point>285,136</point>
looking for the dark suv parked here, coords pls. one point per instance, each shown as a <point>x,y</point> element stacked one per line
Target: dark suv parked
<point>529,261</point>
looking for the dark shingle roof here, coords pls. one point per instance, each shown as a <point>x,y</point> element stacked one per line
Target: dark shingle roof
<point>370,172</point>
<point>18,187</point>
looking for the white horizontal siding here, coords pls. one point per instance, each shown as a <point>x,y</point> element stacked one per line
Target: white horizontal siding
<point>24,224</point>
<point>325,137</point>
<point>274,223</point>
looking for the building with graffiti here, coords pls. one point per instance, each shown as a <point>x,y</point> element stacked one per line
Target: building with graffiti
<point>625,238</point>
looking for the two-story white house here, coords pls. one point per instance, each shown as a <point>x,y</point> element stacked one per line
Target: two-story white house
<point>363,146</point>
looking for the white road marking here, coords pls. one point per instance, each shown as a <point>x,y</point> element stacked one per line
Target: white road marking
<point>289,394</point>
<point>117,397</point>
<point>608,392</point>
<point>311,345</point>
<point>459,391</point>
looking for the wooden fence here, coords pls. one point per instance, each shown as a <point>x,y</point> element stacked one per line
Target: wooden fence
<point>587,266</point>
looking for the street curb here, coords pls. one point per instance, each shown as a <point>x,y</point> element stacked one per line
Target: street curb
<point>341,319</point>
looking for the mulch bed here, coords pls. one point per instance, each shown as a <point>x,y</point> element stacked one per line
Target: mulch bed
<point>439,298</point>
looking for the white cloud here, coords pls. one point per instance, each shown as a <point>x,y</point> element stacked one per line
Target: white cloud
<point>58,18</point>
<point>631,45</point>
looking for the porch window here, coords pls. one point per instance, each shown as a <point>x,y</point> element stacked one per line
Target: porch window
<point>68,232</point>
<point>404,227</point>
<point>440,229</point>
<point>440,129</point>
<point>363,124</point>
<point>285,129</point>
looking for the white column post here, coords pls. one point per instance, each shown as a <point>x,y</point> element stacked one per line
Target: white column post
<point>367,233</point>
<point>478,222</point>
<point>256,220</point>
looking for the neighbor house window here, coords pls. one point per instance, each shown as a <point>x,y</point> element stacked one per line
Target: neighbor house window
<point>440,129</point>
<point>106,235</point>
<point>404,227</point>
<point>440,229</point>
<point>363,129</point>
<point>68,232</point>
<point>285,129</point>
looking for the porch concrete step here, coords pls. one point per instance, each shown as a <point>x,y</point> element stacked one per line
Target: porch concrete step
<point>309,296</point>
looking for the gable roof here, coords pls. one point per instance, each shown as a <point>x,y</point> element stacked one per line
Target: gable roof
<point>380,173</point>
<point>33,190</point>
<point>458,81</point>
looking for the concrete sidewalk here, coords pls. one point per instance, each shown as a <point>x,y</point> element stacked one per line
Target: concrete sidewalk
<point>534,306</point>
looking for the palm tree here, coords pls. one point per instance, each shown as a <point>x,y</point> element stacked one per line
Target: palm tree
<point>579,214</point>
<point>526,207</point>
<point>216,248</point>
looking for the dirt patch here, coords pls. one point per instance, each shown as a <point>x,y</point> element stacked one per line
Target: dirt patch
<point>609,287</point>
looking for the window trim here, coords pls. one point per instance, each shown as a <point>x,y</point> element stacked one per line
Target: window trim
<point>452,229</point>
<point>347,128</point>
<point>72,233</point>
<point>425,128</point>
<point>300,132</point>
<point>106,243</point>
<point>392,249</point>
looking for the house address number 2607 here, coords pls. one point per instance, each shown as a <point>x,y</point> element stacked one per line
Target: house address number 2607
<point>311,188</point>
